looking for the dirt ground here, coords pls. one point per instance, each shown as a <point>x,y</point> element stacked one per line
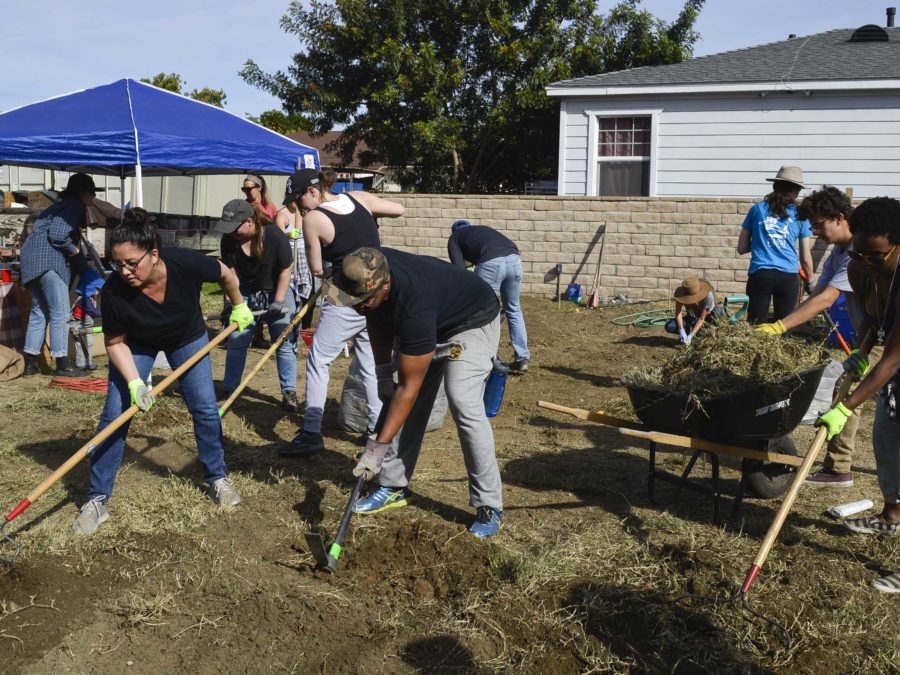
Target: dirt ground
<point>585,577</point>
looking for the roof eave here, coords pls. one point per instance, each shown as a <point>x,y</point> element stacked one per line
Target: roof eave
<point>725,88</point>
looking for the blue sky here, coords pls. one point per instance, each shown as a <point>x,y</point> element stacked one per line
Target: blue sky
<point>64,46</point>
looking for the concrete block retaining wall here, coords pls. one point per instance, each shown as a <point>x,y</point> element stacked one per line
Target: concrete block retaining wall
<point>651,243</point>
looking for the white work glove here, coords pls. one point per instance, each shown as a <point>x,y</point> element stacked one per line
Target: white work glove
<point>370,462</point>
<point>384,373</point>
<point>688,339</point>
<point>683,336</point>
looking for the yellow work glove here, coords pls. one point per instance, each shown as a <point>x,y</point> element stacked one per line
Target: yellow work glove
<point>776,328</point>
<point>857,364</point>
<point>140,395</point>
<point>834,420</point>
<point>241,315</point>
<point>295,233</point>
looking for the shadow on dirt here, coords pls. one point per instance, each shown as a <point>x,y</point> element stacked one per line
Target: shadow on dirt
<point>654,634</point>
<point>596,380</point>
<point>439,654</point>
<point>650,341</point>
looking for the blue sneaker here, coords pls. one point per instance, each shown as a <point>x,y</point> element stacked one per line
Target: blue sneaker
<point>488,522</point>
<point>382,499</point>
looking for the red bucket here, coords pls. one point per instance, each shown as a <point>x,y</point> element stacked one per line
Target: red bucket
<point>307,335</point>
<point>5,274</point>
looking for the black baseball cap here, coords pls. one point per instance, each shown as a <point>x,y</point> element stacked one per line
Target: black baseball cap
<point>234,213</point>
<point>298,183</point>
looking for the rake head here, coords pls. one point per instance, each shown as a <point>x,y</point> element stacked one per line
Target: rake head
<point>8,542</point>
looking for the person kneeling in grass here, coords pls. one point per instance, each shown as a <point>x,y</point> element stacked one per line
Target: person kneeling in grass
<point>695,304</point>
<point>153,305</point>
<point>875,258</point>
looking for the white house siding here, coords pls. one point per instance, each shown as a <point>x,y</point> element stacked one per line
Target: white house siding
<point>722,146</point>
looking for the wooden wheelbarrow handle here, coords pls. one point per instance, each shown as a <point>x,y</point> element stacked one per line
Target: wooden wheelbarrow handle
<point>599,416</point>
<point>113,426</point>
<point>271,350</point>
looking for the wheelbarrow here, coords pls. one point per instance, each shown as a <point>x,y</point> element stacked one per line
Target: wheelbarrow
<point>752,424</point>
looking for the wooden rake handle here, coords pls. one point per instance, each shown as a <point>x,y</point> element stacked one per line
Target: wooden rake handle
<point>799,478</point>
<point>271,350</point>
<point>114,426</point>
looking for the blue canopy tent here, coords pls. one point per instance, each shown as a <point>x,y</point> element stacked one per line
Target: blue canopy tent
<point>129,128</point>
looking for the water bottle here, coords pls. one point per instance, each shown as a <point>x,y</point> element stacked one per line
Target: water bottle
<point>494,388</point>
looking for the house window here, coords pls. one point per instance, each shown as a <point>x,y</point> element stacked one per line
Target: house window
<point>623,152</point>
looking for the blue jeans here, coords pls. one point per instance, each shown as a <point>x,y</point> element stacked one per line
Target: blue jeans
<point>285,359</point>
<point>49,304</point>
<point>504,275</point>
<point>199,395</point>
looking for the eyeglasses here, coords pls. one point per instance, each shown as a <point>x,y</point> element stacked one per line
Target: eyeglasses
<point>130,265</point>
<point>873,259</point>
<point>250,189</point>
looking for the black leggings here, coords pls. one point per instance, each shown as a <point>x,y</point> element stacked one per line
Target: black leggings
<point>766,286</point>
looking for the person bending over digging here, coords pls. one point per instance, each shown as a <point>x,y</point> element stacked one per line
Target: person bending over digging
<point>153,305</point>
<point>828,211</point>
<point>695,305</point>
<point>875,258</point>
<point>446,325</point>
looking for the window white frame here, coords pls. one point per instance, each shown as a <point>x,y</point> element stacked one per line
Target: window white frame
<point>593,152</point>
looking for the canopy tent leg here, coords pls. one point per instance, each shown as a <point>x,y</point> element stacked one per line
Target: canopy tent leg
<point>138,188</point>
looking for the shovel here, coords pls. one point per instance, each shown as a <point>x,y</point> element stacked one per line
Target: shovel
<point>327,559</point>
<point>593,300</point>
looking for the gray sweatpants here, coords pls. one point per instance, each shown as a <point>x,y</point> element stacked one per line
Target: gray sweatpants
<point>338,325</point>
<point>464,380</point>
<point>886,441</point>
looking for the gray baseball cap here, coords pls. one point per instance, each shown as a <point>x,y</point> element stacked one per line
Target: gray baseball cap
<point>234,213</point>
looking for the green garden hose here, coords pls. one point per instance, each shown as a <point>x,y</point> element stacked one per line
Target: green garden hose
<point>646,319</point>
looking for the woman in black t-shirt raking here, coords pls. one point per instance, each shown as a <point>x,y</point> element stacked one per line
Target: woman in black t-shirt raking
<point>260,255</point>
<point>153,305</point>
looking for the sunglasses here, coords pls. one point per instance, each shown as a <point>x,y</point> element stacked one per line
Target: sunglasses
<point>250,189</point>
<point>130,265</point>
<point>872,259</point>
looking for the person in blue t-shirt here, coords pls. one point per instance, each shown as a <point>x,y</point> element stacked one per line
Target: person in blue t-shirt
<point>770,234</point>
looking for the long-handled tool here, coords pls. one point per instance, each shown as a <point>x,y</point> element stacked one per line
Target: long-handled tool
<point>271,350</point>
<point>327,559</point>
<point>785,508</point>
<point>100,437</point>
<point>593,300</point>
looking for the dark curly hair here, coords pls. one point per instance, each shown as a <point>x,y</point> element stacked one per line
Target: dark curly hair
<point>829,202</point>
<point>137,230</point>
<point>877,217</point>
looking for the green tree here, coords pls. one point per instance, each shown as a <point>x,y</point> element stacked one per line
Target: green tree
<point>283,124</point>
<point>452,91</point>
<point>174,82</point>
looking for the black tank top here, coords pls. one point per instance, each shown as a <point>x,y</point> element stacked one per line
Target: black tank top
<point>351,231</point>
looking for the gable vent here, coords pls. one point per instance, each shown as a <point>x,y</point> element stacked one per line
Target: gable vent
<point>869,33</point>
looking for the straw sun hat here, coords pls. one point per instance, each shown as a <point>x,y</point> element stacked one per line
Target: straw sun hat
<point>692,290</point>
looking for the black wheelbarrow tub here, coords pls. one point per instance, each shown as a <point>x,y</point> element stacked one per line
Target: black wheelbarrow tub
<point>760,412</point>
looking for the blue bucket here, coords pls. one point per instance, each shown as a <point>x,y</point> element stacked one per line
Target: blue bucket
<point>841,316</point>
<point>573,292</point>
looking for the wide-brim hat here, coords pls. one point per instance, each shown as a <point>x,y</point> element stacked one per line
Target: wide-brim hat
<point>789,174</point>
<point>363,272</point>
<point>78,184</point>
<point>692,289</point>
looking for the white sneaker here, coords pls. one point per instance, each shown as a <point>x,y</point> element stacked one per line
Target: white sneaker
<point>92,515</point>
<point>223,492</point>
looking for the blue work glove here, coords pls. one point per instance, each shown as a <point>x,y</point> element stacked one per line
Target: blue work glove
<point>857,364</point>
<point>834,420</point>
<point>140,395</point>
<point>683,336</point>
<point>370,462</point>
<point>241,315</point>
<point>274,311</point>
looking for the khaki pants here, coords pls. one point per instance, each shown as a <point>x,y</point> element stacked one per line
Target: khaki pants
<point>839,456</point>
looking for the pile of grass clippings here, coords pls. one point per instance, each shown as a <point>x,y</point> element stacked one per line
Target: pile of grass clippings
<point>726,359</point>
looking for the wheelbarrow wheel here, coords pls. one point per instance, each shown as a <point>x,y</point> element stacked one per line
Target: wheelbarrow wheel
<point>769,480</point>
